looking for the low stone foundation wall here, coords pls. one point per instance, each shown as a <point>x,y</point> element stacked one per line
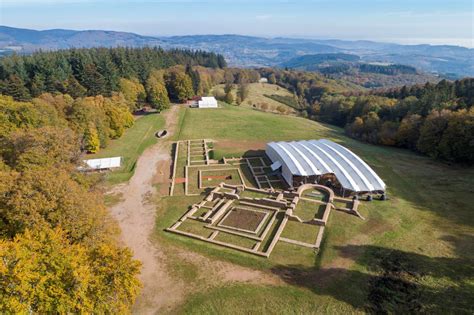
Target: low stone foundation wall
<point>279,203</point>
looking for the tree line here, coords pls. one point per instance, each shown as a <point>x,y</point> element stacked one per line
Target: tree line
<point>438,121</point>
<point>91,72</point>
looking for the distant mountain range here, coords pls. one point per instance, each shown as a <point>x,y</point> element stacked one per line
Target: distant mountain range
<point>248,51</point>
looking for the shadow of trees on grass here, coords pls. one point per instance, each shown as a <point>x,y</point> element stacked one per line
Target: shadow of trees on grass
<point>392,281</point>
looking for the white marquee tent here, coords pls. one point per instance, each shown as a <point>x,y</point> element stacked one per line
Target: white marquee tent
<point>102,164</point>
<point>314,158</point>
<point>207,102</point>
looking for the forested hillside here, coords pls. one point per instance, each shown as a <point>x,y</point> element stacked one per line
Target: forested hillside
<point>58,243</point>
<point>90,72</point>
<point>96,90</point>
<point>308,87</point>
<point>351,68</point>
<point>433,119</point>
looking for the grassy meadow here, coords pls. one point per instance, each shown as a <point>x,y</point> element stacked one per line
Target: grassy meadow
<point>238,129</point>
<point>258,95</point>
<point>417,247</point>
<point>130,146</point>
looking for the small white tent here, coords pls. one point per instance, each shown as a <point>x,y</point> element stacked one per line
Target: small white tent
<point>102,164</point>
<point>207,102</point>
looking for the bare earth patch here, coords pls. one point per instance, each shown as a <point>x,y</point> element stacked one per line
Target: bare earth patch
<point>135,216</point>
<point>243,219</point>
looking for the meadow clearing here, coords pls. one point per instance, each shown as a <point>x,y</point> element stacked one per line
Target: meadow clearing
<point>260,97</point>
<point>412,252</point>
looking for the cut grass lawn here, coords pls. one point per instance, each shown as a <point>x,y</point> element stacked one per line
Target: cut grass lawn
<point>427,224</point>
<point>195,227</point>
<point>130,146</point>
<point>236,240</point>
<point>306,233</point>
<point>307,210</point>
<point>239,123</point>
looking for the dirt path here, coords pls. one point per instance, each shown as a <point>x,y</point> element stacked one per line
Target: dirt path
<point>136,217</point>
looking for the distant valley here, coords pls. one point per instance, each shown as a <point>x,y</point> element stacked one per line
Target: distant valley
<point>246,51</point>
<point>352,68</point>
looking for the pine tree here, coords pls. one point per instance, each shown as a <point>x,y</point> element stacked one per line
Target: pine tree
<point>93,81</point>
<point>74,88</point>
<point>37,86</point>
<point>195,79</point>
<point>15,87</point>
<point>228,87</point>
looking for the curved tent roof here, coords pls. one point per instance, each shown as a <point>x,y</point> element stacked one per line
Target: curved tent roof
<point>316,157</point>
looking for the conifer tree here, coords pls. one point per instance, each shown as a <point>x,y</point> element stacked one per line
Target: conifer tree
<point>15,87</point>
<point>74,88</point>
<point>37,86</point>
<point>195,78</point>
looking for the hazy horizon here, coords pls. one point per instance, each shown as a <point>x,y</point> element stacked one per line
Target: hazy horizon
<point>433,22</point>
<point>466,43</point>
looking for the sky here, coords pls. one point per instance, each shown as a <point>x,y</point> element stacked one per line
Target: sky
<point>400,21</point>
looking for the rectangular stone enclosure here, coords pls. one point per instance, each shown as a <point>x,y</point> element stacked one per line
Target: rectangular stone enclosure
<point>213,177</point>
<point>244,219</point>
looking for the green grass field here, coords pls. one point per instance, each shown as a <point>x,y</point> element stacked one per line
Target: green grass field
<point>240,123</point>
<point>239,130</point>
<point>426,230</point>
<point>130,146</point>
